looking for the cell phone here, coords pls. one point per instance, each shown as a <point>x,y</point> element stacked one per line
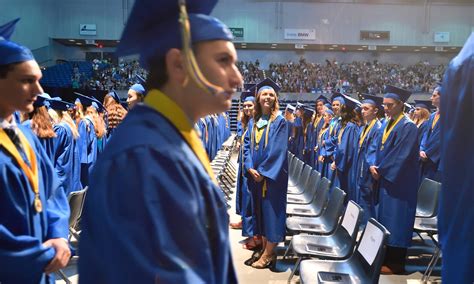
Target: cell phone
<point>333,277</point>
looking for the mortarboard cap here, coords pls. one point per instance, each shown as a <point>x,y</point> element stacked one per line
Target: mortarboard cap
<point>114,95</point>
<point>153,27</point>
<point>424,104</point>
<point>124,103</point>
<point>308,111</point>
<point>289,108</point>
<point>59,105</point>
<point>84,100</point>
<point>323,99</point>
<point>392,92</point>
<point>373,100</point>
<point>248,86</point>
<point>439,87</point>
<point>299,105</point>
<point>329,111</point>
<point>350,102</point>
<point>338,97</point>
<point>265,84</point>
<point>41,99</point>
<point>11,52</point>
<point>98,105</point>
<point>138,88</point>
<point>247,97</point>
<point>328,106</point>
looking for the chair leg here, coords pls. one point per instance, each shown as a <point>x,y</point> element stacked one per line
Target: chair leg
<point>296,267</point>
<point>436,257</point>
<point>63,276</point>
<point>431,265</point>
<point>288,249</point>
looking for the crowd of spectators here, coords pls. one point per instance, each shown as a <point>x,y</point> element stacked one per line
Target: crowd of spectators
<point>363,77</point>
<point>109,76</point>
<point>294,77</point>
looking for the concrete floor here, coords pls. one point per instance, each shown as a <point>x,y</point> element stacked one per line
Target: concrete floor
<point>249,275</point>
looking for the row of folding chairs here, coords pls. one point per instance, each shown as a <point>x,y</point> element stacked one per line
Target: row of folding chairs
<point>224,169</point>
<point>76,201</point>
<point>322,229</point>
<point>314,208</point>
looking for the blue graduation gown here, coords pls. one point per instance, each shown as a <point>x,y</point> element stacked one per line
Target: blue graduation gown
<point>366,196</point>
<point>344,158</point>
<point>456,216</point>
<point>308,138</point>
<point>239,129</point>
<point>314,142</point>
<point>291,139</point>
<point>329,139</point>
<point>422,130</point>
<point>243,198</point>
<point>47,143</point>
<point>398,167</point>
<point>298,142</point>
<point>22,230</point>
<point>64,159</point>
<point>152,214</point>
<point>272,163</point>
<point>431,144</point>
<point>88,148</point>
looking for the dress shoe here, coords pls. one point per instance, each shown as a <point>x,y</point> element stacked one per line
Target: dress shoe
<point>265,262</point>
<point>255,256</point>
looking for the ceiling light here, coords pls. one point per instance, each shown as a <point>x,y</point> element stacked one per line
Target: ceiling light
<point>79,43</point>
<point>360,49</point>
<point>364,46</point>
<point>71,40</point>
<point>394,46</point>
<point>334,45</point>
<point>417,50</point>
<point>423,47</point>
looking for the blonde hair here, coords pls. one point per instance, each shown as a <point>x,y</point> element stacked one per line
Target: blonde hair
<point>424,116</point>
<point>98,121</point>
<point>258,107</point>
<point>41,123</point>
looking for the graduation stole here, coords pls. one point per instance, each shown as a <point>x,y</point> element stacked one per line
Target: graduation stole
<point>31,172</point>
<point>317,120</point>
<point>339,137</point>
<point>175,115</point>
<point>387,131</point>
<point>256,138</point>
<point>366,131</point>
<point>435,120</point>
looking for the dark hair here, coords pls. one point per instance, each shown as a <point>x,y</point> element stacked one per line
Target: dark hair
<point>347,115</point>
<point>158,75</point>
<point>4,69</point>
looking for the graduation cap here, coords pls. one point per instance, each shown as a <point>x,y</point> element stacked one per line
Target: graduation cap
<point>424,104</point>
<point>338,97</point>
<point>299,105</point>
<point>439,87</point>
<point>322,99</point>
<point>289,108</point>
<point>59,105</point>
<point>114,95</point>
<point>308,111</point>
<point>153,27</point>
<point>98,105</point>
<point>124,104</point>
<point>247,97</point>
<point>350,102</point>
<point>392,92</point>
<point>41,99</point>
<point>265,84</point>
<point>329,111</point>
<point>11,52</point>
<point>248,86</point>
<point>408,107</point>
<point>373,100</point>
<point>84,100</point>
<point>138,88</point>
<point>328,105</point>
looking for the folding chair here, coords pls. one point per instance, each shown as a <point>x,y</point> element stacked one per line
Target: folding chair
<point>294,175</point>
<point>302,181</point>
<point>427,204</point>
<point>316,207</point>
<point>338,245</point>
<point>76,205</point>
<point>308,192</point>
<point>362,267</point>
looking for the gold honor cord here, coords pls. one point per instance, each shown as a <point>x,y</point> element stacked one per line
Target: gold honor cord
<point>435,120</point>
<point>175,115</point>
<point>387,131</point>
<point>256,138</point>
<point>364,133</point>
<point>31,172</point>
<point>191,64</point>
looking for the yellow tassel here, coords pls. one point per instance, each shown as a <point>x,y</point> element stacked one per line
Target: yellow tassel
<point>264,190</point>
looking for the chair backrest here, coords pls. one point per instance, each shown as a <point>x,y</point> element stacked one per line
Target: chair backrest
<point>321,195</point>
<point>428,194</point>
<point>298,168</point>
<point>305,175</point>
<point>312,183</point>
<point>76,203</point>
<point>370,251</point>
<point>333,211</point>
<point>351,219</point>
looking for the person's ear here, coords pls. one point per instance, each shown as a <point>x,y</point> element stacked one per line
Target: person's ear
<point>175,66</point>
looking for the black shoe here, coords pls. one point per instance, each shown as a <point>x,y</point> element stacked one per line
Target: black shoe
<point>255,256</point>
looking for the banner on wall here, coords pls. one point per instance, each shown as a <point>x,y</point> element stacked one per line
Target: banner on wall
<point>88,29</point>
<point>301,34</point>
<point>238,33</point>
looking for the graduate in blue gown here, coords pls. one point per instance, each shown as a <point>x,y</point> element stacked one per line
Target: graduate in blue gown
<point>430,147</point>
<point>317,125</point>
<point>308,114</point>
<point>87,138</point>
<point>243,196</point>
<point>154,212</point>
<point>66,160</point>
<point>40,124</point>
<point>324,164</point>
<point>290,120</point>
<point>366,195</point>
<point>34,211</point>
<point>421,116</point>
<point>396,174</point>
<point>456,217</point>
<point>345,148</point>
<point>116,112</point>
<point>266,167</point>
<point>298,131</point>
